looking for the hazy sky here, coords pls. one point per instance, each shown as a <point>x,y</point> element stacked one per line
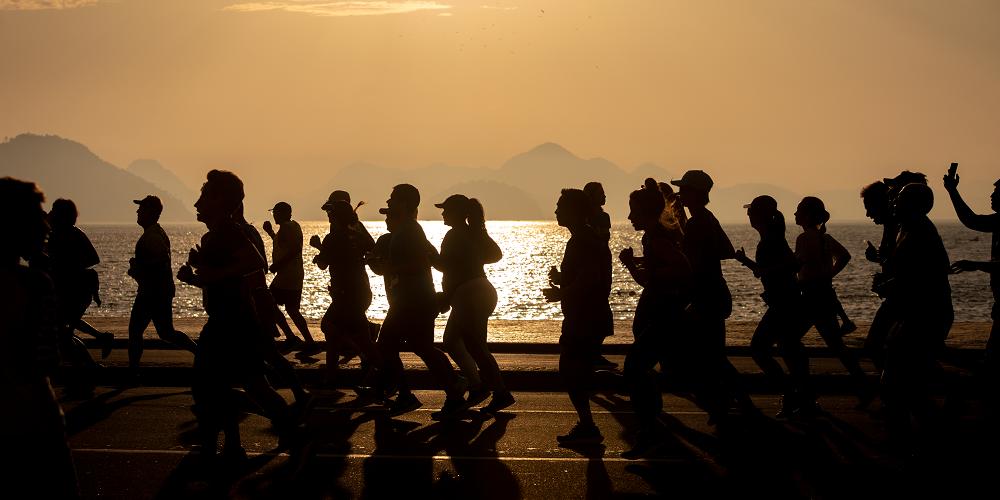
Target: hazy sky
<point>807,95</point>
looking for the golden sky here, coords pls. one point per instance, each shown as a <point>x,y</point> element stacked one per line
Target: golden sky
<point>804,94</point>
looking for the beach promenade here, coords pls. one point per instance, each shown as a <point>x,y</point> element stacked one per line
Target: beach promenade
<point>138,442</point>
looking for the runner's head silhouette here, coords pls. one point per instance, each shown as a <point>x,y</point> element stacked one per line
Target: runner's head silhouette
<point>646,206</point>
<point>694,188</point>
<point>63,213</point>
<point>282,212</point>
<point>811,212</point>
<point>337,195</point>
<point>913,202</point>
<point>403,201</point>
<point>149,210</point>
<point>573,208</point>
<point>765,216</point>
<point>26,232</point>
<point>595,191</point>
<point>221,198</point>
<point>455,210</point>
<point>876,199</point>
<point>341,214</point>
<point>897,183</point>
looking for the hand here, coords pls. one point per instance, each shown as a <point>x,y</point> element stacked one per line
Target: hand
<point>185,274</point>
<point>741,256</point>
<point>268,228</point>
<point>871,253</point>
<point>194,256</point>
<point>951,178</point>
<point>963,266</point>
<point>555,277</point>
<point>553,294</point>
<point>627,256</point>
<point>315,241</point>
<point>273,268</point>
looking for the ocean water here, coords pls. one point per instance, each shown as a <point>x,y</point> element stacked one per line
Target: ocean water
<point>530,249</point>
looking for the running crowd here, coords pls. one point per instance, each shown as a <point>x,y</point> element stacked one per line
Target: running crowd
<point>48,282</point>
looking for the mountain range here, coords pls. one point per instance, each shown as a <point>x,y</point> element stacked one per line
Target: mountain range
<point>525,187</point>
<point>66,169</point>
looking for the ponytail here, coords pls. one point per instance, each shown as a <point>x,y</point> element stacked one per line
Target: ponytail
<point>476,215</point>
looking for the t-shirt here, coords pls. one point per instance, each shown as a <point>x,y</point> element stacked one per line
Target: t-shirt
<point>28,330</point>
<point>229,297</point>
<point>706,246</point>
<point>410,263</point>
<point>777,266</point>
<point>586,284</point>
<point>601,222</point>
<point>669,280</point>
<point>70,252</point>
<point>920,269</point>
<point>344,253</point>
<point>463,253</point>
<point>816,253</point>
<point>287,257</point>
<point>151,268</point>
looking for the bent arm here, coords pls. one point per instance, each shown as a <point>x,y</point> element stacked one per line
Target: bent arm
<point>972,220</point>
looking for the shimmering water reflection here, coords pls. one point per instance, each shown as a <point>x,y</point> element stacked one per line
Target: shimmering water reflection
<point>530,248</point>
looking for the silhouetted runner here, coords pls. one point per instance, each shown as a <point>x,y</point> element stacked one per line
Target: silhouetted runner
<point>263,339</point>
<point>286,263</point>
<point>985,224</point>
<point>343,252</point>
<point>878,199</point>
<point>581,284</point>
<point>470,295</point>
<point>783,324</point>
<point>822,258</point>
<point>706,246</point>
<point>600,221</point>
<point>660,324</point>
<point>154,299</point>
<point>71,258</point>
<point>412,308</point>
<point>228,268</point>
<point>32,428</point>
<point>923,311</point>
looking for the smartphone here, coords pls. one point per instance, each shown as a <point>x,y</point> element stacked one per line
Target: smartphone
<point>952,169</point>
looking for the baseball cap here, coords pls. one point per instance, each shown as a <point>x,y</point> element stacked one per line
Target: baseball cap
<point>337,195</point>
<point>695,179</point>
<point>763,204</point>
<point>281,207</point>
<point>459,201</point>
<point>150,201</point>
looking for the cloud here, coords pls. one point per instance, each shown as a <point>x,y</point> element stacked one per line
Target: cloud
<point>341,8</point>
<point>498,7</point>
<point>44,4</point>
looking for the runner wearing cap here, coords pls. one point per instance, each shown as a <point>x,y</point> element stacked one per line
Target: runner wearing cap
<point>154,299</point>
<point>706,246</point>
<point>783,324</point>
<point>412,308</point>
<point>286,263</point>
<point>472,298</point>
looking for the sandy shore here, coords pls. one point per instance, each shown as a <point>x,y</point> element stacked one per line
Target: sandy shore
<point>971,335</point>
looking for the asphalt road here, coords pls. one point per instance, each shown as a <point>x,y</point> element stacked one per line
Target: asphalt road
<point>139,443</point>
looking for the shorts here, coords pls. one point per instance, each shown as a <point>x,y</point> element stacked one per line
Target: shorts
<point>288,298</point>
